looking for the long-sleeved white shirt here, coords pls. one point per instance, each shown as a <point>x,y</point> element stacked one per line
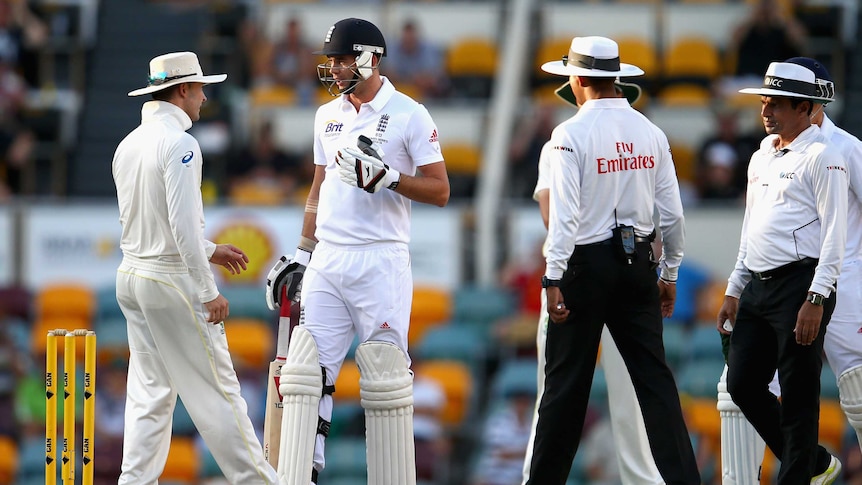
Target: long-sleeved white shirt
<point>610,165</point>
<point>157,171</point>
<point>796,208</point>
<point>851,149</point>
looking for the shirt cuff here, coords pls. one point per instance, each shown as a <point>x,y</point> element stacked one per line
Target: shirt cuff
<point>210,248</point>
<point>669,274</point>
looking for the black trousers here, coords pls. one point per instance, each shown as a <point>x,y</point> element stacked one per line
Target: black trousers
<point>599,288</point>
<point>763,341</point>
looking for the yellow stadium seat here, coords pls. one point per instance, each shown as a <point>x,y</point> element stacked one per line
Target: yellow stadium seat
<point>347,383</point>
<point>457,383</point>
<point>250,341</point>
<point>275,95</point>
<point>833,423</point>
<point>431,306</point>
<point>74,300</point>
<point>702,418</point>
<point>550,50</point>
<point>461,158</point>
<point>472,56</point>
<point>640,52</point>
<point>184,463</point>
<point>686,94</point>
<point>256,193</point>
<point>684,160</point>
<point>692,58</point>
<point>8,459</point>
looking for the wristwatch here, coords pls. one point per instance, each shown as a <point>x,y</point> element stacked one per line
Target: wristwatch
<point>815,298</point>
<point>547,282</point>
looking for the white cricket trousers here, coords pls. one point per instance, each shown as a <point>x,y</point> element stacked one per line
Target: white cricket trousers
<point>634,457</point>
<point>175,352</point>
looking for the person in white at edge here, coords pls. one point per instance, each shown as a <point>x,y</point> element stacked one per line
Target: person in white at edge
<point>167,292</point>
<point>634,457</point>
<point>359,280</point>
<point>781,293</point>
<point>843,342</point>
<point>599,265</point>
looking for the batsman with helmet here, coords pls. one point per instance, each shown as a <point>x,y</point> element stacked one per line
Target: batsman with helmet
<point>375,151</point>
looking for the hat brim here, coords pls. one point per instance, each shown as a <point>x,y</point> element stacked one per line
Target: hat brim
<point>632,92</point>
<point>785,94</point>
<point>560,69</point>
<point>211,79</point>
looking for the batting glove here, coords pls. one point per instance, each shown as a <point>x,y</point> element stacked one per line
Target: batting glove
<point>288,273</point>
<point>365,171</point>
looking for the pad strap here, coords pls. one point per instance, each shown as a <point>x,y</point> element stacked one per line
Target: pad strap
<point>323,427</point>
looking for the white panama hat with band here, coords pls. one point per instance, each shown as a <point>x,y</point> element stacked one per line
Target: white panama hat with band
<point>592,57</point>
<point>177,67</point>
<point>788,80</point>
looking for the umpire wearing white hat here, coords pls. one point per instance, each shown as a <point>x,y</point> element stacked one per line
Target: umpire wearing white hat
<point>611,168</point>
<point>781,294</point>
<point>167,292</point>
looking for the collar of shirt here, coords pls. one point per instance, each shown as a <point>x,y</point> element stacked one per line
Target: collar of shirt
<point>827,127</point>
<point>380,99</point>
<point>801,142</point>
<point>604,103</point>
<point>160,110</point>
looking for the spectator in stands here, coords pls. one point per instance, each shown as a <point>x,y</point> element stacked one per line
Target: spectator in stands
<point>265,165</point>
<point>505,438</point>
<point>110,419</point>
<point>528,139</point>
<point>12,368</point>
<point>766,35</point>
<point>289,62</point>
<point>432,445</point>
<point>414,62</point>
<point>22,34</point>
<point>17,143</point>
<point>717,176</point>
<point>728,133</point>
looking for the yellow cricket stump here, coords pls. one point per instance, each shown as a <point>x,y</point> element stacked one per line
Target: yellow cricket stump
<point>69,395</point>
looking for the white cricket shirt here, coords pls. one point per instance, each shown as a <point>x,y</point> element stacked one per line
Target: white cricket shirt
<point>851,150</point>
<point>157,171</point>
<point>795,208</point>
<point>611,157</point>
<point>347,215</point>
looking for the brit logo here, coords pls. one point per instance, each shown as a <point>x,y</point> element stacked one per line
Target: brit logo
<point>382,124</point>
<point>433,138</point>
<point>333,127</point>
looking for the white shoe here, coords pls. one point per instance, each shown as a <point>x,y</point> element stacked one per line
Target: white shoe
<point>830,475</point>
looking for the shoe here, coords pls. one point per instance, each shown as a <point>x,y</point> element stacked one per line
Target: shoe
<point>830,475</point>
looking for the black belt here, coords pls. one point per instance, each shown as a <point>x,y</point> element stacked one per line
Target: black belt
<point>608,242</point>
<point>783,270</point>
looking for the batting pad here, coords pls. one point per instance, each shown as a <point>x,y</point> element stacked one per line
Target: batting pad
<point>850,394</point>
<point>301,386</point>
<point>742,448</point>
<point>386,391</point>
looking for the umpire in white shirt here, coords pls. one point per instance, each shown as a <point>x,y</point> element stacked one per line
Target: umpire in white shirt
<point>781,293</point>
<point>610,169</point>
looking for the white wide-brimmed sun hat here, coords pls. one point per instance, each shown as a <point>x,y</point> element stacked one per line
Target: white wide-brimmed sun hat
<point>177,67</point>
<point>789,80</point>
<point>592,57</point>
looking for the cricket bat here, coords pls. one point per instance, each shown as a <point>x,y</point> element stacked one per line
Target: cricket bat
<point>287,319</point>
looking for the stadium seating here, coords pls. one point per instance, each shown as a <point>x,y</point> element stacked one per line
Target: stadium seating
<point>699,378</point>
<point>184,463</point>
<point>347,383</point>
<point>431,306</point>
<point>515,377</point>
<point>454,341</point>
<point>251,341</point>
<point>457,383</point>
<point>182,421</point>
<point>8,459</point>
<point>692,59</point>
<point>247,301</point>
<point>345,458</point>
<point>471,64</point>
<point>73,300</point>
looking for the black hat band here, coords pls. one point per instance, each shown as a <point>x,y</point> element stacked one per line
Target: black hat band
<point>590,62</point>
<point>789,85</point>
